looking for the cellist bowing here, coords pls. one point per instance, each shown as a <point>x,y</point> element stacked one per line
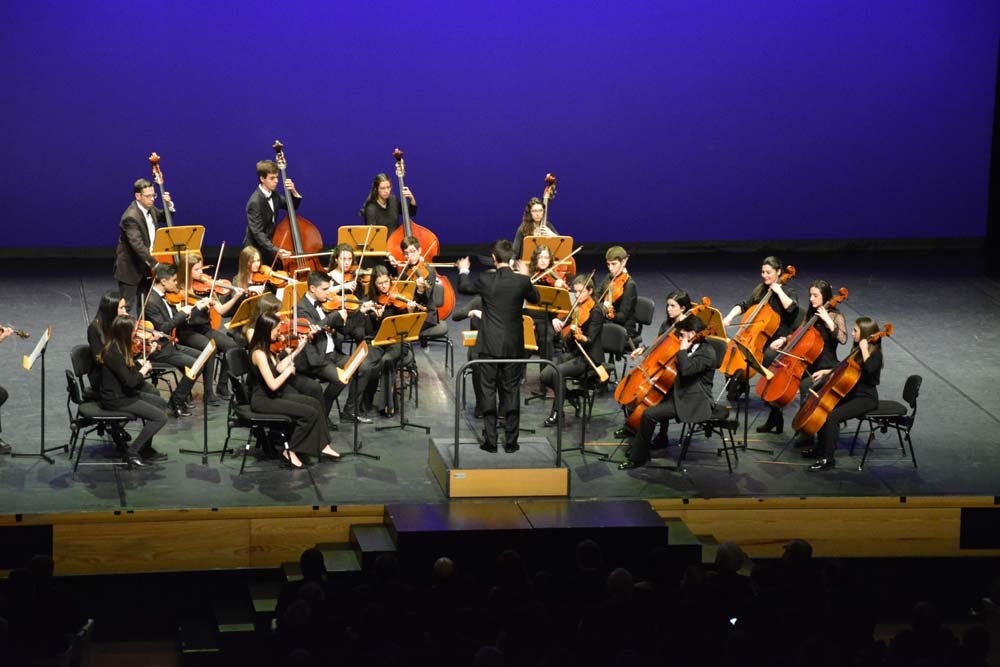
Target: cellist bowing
<point>690,397</point>
<point>781,301</point>
<point>262,211</point>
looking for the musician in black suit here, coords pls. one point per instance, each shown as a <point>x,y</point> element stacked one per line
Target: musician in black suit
<point>690,398</point>
<point>165,318</point>
<point>501,336</point>
<point>262,211</point>
<point>5,333</point>
<point>321,358</point>
<point>136,229</point>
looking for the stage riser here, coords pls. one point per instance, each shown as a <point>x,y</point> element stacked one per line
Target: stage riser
<point>492,480</point>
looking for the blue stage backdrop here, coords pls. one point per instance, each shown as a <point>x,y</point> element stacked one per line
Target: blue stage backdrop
<point>663,120</point>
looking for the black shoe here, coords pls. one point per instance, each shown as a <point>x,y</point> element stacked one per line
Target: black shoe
<point>189,404</point>
<point>575,402</point>
<point>487,447</point>
<point>510,449</point>
<point>5,448</point>
<point>387,412</point>
<point>331,425</point>
<point>213,400</point>
<point>348,418</point>
<point>179,411</point>
<point>775,422</point>
<point>477,413</point>
<point>628,465</point>
<point>662,442</point>
<point>823,464</point>
<point>623,433</point>
<point>150,455</point>
<point>136,461</point>
<point>552,419</point>
<point>811,453</point>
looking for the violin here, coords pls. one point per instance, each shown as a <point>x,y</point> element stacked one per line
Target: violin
<point>801,349</point>
<point>17,332</point>
<point>841,380</point>
<point>393,296</point>
<point>335,301</point>
<point>288,334</point>
<point>267,275</point>
<point>144,339</point>
<point>220,287</point>
<point>756,328</point>
<point>305,237</point>
<point>614,292</point>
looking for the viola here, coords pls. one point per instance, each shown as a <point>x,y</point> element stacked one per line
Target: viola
<point>756,328</point>
<point>614,292</point>
<point>144,339</point>
<point>841,380</point>
<point>801,349</point>
<point>305,238</point>
<point>288,334</point>
<point>335,301</point>
<point>397,297</point>
<point>220,287</point>
<point>267,275</point>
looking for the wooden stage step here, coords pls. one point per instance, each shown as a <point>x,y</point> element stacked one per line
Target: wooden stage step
<point>531,471</point>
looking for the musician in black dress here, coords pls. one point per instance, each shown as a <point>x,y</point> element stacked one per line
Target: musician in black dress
<point>832,327</point>
<point>690,397</point>
<point>377,306</point>
<point>782,301</point>
<point>540,263</point>
<point>531,224</point>
<point>262,211</point>
<point>383,208</point>
<point>581,337</point>
<point>123,380</point>
<point>861,399</point>
<point>272,393</point>
<point>501,336</point>
<point>5,333</point>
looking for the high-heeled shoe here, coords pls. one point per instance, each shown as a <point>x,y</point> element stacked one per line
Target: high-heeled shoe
<point>331,455</point>
<point>775,422</point>
<point>288,459</point>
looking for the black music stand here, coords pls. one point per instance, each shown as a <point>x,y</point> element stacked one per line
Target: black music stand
<point>348,375</point>
<point>27,363</point>
<point>192,374</point>
<point>551,301</point>
<point>372,240</point>
<point>400,329</point>
<point>559,246</point>
<point>744,379</point>
<point>170,242</point>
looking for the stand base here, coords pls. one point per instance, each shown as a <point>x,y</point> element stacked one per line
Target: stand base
<point>43,454</point>
<point>357,452</point>
<point>527,472</point>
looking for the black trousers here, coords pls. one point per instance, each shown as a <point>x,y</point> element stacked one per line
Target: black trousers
<point>131,294</point>
<point>147,406</point>
<point>574,367</point>
<point>328,373</point>
<point>829,432</point>
<point>198,340</point>
<point>505,380</point>
<point>310,434</point>
<point>180,357</point>
<point>661,413</point>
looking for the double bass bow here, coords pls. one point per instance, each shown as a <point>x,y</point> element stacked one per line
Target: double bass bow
<point>756,326</point>
<point>305,237</point>
<point>801,349</point>
<point>841,380</point>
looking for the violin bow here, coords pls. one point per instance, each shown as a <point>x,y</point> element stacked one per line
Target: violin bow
<point>590,277</point>
<point>564,260</point>
<point>142,316</point>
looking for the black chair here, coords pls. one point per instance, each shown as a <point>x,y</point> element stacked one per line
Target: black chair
<point>241,415</point>
<point>892,415</point>
<point>438,333</point>
<point>720,423</point>
<point>86,415</point>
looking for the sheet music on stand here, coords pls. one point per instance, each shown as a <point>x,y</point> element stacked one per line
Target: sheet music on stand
<point>192,371</point>
<point>353,362</point>
<point>28,361</point>
<point>291,295</point>
<point>401,329</point>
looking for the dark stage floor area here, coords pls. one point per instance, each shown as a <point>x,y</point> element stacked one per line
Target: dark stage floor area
<point>947,329</point>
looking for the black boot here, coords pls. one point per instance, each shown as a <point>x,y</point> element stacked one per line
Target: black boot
<point>775,422</point>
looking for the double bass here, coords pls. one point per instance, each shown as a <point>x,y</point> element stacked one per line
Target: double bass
<point>154,162</point>
<point>429,243</point>
<point>815,411</point>
<point>756,328</point>
<point>802,348</point>
<point>294,233</point>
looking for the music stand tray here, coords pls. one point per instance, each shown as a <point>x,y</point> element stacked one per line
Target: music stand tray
<point>400,329</point>
<point>551,300</point>
<point>242,315</point>
<point>372,240</point>
<point>559,246</point>
<point>170,241</point>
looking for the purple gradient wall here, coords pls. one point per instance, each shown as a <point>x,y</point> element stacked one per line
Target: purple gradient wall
<point>664,121</point>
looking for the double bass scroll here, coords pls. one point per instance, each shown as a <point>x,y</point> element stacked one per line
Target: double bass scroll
<point>305,238</point>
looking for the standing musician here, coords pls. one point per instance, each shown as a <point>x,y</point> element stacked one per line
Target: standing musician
<point>136,229</point>
<point>861,399</point>
<point>382,208</point>
<point>783,302</point>
<point>197,330</point>
<point>620,293</point>
<point>273,393</point>
<point>5,333</point>
<point>832,326</point>
<point>124,389</point>
<point>501,336</point>
<point>690,397</point>
<point>678,305</point>
<point>531,224</point>
<point>165,318</point>
<point>262,211</point>
<point>585,330</point>
<point>321,357</point>
<point>378,305</point>
<point>425,277</point>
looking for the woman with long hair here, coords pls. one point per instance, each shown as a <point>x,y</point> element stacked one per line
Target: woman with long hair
<point>531,224</point>
<point>382,207</point>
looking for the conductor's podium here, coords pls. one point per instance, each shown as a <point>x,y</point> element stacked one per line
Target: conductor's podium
<point>530,471</point>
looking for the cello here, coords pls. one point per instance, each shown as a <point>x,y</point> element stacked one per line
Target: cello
<point>802,348</point>
<point>756,328</point>
<point>426,238</point>
<point>304,237</point>
<point>815,411</point>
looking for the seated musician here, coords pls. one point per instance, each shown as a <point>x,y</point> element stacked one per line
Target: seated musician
<point>273,393</point>
<point>582,339</point>
<point>832,327</point>
<point>165,318</point>
<point>343,256</point>
<point>382,208</point>
<point>321,358</point>
<point>678,305</point>
<point>248,264</point>
<point>690,397</point>
<point>541,262</point>
<point>620,293</point>
<point>859,400</point>
<point>531,224</point>
<point>424,276</point>
<point>197,329</point>
<point>124,389</point>
<point>380,303</point>
<point>781,301</point>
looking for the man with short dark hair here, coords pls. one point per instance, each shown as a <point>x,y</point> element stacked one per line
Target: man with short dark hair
<point>501,336</point>
<point>262,211</point>
<point>136,229</point>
